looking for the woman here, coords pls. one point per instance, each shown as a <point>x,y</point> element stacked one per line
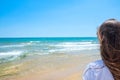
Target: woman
<point>109,67</point>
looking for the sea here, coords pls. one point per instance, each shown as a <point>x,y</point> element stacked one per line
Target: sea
<point>18,48</point>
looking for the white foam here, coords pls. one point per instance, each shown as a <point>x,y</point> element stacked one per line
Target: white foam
<point>12,53</point>
<point>30,43</point>
<point>26,44</point>
<point>35,41</point>
<point>74,43</point>
<point>6,46</point>
<point>74,46</point>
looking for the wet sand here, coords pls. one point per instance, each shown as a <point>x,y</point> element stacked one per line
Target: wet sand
<point>48,67</point>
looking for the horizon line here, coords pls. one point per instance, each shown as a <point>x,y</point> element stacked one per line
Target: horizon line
<point>54,37</point>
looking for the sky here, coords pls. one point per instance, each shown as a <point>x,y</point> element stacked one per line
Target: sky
<point>55,18</point>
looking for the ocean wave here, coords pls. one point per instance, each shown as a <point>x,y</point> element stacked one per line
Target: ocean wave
<point>75,46</point>
<point>9,56</point>
<point>16,45</point>
<point>73,43</point>
<point>42,48</point>
<point>23,44</point>
<point>35,41</point>
<point>12,53</point>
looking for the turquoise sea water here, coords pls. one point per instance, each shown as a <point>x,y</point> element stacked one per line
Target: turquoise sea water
<point>13,48</point>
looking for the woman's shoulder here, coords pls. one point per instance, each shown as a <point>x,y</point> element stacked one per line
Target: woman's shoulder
<point>96,71</point>
<point>98,64</point>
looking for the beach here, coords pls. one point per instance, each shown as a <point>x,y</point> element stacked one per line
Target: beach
<point>51,67</point>
<point>66,63</point>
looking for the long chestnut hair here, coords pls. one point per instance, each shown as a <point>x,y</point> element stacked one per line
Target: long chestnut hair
<point>109,37</point>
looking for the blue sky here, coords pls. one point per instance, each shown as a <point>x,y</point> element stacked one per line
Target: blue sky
<point>55,18</point>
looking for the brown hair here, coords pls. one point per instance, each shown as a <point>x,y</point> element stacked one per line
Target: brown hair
<point>109,36</point>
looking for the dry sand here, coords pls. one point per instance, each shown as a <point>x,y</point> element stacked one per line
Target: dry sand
<point>50,67</point>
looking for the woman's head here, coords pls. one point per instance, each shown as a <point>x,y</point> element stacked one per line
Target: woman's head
<point>109,37</point>
<point>109,31</point>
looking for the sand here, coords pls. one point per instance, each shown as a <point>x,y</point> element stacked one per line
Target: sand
<point>49,67</point>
